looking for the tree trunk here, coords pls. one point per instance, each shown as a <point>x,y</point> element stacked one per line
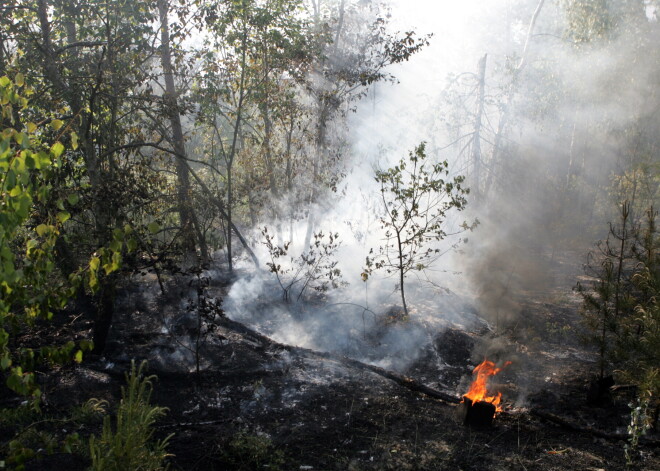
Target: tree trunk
<point>105,313</point>
<point>103,212</point>
<point>231,226</point>
<point>172,108</point>
<point>510,95</point>
<point>401,273</point>
<point>476,137</point>
<point>229,160</point>
<point>230,257</point>
<point>318,159</point>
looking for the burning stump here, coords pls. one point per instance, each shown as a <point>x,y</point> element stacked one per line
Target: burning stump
<point>478,414</point>
<point>478,408</point>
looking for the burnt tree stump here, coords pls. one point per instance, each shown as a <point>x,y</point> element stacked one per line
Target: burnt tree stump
<point>478,414</point>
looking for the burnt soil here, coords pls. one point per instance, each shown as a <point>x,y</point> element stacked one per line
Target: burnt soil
<point>256,405</point>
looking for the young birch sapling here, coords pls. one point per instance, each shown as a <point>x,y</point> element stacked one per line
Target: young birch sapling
<point>417,195</point>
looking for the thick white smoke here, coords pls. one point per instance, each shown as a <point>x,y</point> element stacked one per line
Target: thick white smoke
<point>509,252</point>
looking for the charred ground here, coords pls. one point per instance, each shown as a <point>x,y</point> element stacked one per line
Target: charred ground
<point>257,404</point>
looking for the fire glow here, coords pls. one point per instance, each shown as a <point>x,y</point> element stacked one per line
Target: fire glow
<point>478,391</point>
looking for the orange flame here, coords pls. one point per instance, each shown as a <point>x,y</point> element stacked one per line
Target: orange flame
<point>479,387</point>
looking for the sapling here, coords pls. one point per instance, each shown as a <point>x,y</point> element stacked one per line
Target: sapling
<point>417,195</point>
<point>315,268</point>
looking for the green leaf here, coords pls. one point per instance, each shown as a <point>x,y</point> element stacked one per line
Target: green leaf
<point>115,246</point>
<point>153,227</point>
<point>78,357</point>
<point>94,263</point>
<point>19,79</point>
<point>4,81</point>
<point>57,149</point>
<point>31,127</point>
<point>56,124</point>
<point>22,206</point>
<point>73,199</point>
<point>63,216</point>
<point>10,179</point>
<point>93,282</point>
<point>42,160</point>
<point>42,229</point>
<point>74,140</point>
<point>19,137</point>
<point>131,244</point>
<point>114,265</point>
<point>29,160</point>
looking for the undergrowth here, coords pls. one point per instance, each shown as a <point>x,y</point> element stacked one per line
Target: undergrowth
<point>129,445</point>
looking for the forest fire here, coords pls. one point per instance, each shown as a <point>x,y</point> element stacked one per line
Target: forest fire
<point>478,408</point>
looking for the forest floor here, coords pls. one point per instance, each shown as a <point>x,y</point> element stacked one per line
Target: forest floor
<point>255,405</point>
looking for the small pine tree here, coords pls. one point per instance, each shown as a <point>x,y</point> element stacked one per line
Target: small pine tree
<point>128,445</point>
<point>623,311</point>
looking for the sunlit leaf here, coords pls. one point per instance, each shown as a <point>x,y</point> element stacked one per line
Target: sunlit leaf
<point>63,216</point>
<point>57,149</point>
<point>42,229</point>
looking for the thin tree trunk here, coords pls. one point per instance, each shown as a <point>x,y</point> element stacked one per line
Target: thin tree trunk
<point>104,315</point>
<point>218,204</point>
<point>172,109</point>
<point>511,92</point>
<point>401,273</point>
<point>625,213</point>
<point>476,137</point>
<point>232,154</point>
<point>2,54</point>
<point>103,212</point>
<point>324,113</point>
<point>230,256</point>
<point>318,158</point>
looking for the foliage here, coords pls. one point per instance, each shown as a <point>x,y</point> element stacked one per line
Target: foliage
<point>638,426</point>
<point>129,444</point>
<point>315,268</point>
<point>622,306</point>
<point>206,311</point>
<point>31,286</point>
<point>417,196</point>
<point>623,310</point>
<point>246,452</point>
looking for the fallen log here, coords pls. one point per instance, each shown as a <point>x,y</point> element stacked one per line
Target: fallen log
<point>416,386</point>
<point>400,379</point>
<point>586,429</point>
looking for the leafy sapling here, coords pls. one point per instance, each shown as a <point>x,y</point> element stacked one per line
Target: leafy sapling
<point>316,268</point>
<point>417,195</point>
